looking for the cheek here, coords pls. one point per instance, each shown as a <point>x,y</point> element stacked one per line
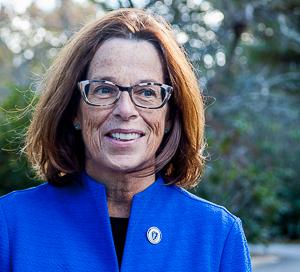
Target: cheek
<point>158,127</point>
<point>156,123</point>
<point>91,129</point>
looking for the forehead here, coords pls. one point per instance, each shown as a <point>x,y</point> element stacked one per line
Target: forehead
<point>126,60</point>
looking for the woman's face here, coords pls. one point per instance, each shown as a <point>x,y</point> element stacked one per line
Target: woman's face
<point>126,63</point>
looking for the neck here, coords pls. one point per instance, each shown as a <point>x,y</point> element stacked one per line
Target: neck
<point>120,189</point>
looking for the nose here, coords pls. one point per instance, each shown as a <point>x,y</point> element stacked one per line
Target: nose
<point>125,109</point>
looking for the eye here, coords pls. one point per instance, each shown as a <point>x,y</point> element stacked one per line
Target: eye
<point>103,90</point>
<point>147,92</point>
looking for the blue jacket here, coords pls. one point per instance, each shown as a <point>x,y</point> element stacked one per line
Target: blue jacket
<point>50,228</point>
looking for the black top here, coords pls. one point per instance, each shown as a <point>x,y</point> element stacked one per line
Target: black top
<point>119,229</point>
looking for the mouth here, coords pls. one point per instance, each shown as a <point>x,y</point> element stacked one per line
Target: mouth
<point>125,136</point>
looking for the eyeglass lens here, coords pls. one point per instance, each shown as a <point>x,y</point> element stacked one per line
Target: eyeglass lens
<point>145,96</point>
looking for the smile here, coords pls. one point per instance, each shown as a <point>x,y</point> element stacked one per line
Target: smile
<point>125,136</point>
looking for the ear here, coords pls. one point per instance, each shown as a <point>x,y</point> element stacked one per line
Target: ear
<point>76,125</point>
<point>76,121</point>
<point>77,118</point>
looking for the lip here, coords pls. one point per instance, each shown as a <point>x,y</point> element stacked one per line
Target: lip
<point>120,130</point>
<point>123,144</point>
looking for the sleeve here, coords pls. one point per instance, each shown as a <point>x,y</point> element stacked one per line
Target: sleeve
<point>4,243</point>
<point>235,255</point>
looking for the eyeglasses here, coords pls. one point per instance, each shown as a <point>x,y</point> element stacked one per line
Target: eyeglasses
<point>103,93</point>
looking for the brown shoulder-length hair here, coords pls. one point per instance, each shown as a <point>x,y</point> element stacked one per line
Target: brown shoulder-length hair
<point>56,149</point>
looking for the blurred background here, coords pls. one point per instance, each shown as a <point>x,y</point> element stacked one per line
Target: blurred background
<point>247,58</point>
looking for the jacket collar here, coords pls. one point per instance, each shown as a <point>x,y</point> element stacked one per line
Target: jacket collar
<point>97,189</point>
<point>145,214</point>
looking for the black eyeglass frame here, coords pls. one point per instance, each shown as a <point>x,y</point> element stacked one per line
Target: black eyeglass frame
<point>83,85</point>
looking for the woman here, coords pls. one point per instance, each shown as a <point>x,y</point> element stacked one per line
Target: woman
<point>118,134</point>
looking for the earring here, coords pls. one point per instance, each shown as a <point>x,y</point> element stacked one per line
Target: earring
<point>166,130</point>
<point>77,126</point>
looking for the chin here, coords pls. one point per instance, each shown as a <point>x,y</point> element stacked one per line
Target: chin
<point>126,165</point>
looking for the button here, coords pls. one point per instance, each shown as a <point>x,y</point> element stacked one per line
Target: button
<point>154,235</point>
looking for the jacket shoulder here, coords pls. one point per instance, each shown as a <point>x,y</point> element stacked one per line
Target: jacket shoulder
<point>39,196</point>
<point>27,199</point>
<point>203,208</point>
<point>29,193</point>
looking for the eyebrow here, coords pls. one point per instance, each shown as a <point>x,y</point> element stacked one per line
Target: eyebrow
<point>114,79</point>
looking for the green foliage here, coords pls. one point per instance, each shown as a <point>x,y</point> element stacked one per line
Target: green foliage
<point>15,115</point>
<point>253,168</point>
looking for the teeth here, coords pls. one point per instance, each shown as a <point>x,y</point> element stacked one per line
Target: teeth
<point>125,136</point>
